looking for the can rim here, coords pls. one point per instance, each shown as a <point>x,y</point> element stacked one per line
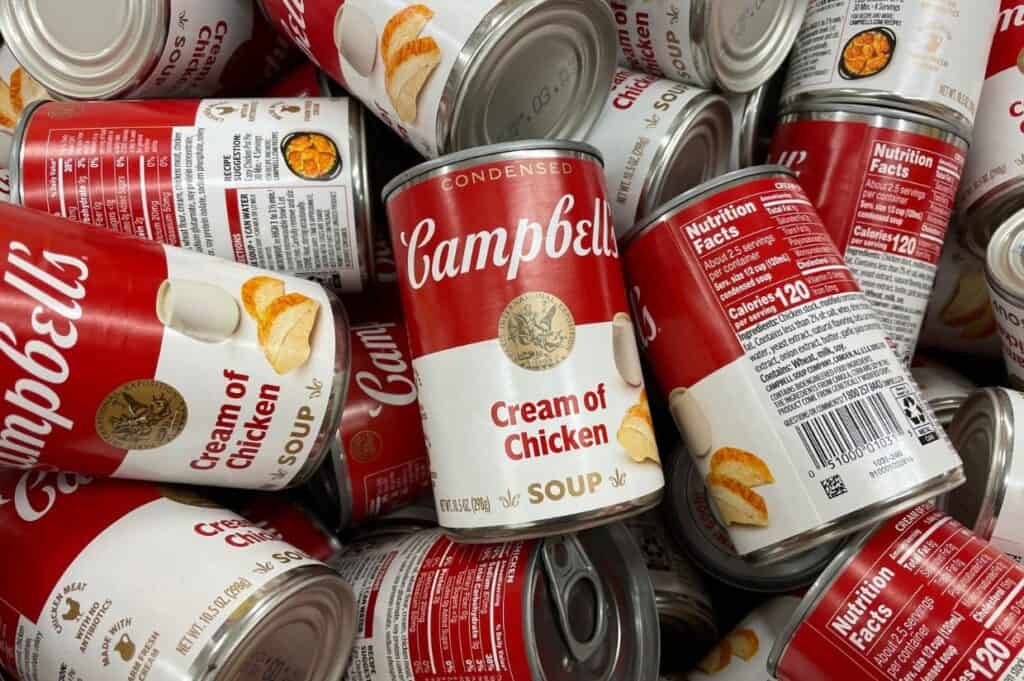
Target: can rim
<point>987,213</point>
<point>449,162</point>
<point>17,154</point>
<point>1002,276</point>
<point>734,68</point>
<point>880,110</point>
<point>668,209</point>
<point>364,207</point>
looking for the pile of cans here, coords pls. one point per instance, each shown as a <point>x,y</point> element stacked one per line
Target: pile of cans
<point>494,340</point>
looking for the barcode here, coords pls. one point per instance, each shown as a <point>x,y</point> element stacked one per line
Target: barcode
<point>847,429</point>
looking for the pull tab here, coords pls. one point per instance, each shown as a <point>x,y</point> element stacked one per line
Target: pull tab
<point>568,569</point>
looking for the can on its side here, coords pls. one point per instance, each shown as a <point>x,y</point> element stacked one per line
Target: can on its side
<point>884,182</point>
<point>960,318</point>
<point>915,54</point>
<point>577,607</point>
<point>305,80</point>
<point>754,117</point>
<point>735,46</point>
<point>132,359</point>
<point>109,599</point>
<point>696,523</point>
<point>991,503</point>
<point>918,597</point>
<point>381,463</point>
<point>993,185</point>
<point>533,405</point>
<point>743,654</point>
<point>748,308</point>
<point>293,524</point>
<point>121,49</point>
<point>280,184</point>
<point>944,389</point>
<point>1004,274</point>
<point>452,75</point>
<point>658,138</point>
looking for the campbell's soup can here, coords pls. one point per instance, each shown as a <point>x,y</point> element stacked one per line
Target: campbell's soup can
<point>734,46</point>
<point>575,607</point>
<point>448,75</point>
<point>926,56</point>
<point>381,463</point>
<point>119,49</point>
<point>132,359</point>
<point>658,138</point>
<point>1004,273</point>
<point>291,523</point>
<point>130,580</point>
<point>280,184</point>
<point>994,174</point>
<point>919,597</point>
<point>533,405</point>
<point>884,182</point>
<point>746,307</point>
<point>743,654</point>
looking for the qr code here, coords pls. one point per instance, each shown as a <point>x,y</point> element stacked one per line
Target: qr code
<point>834,486</point>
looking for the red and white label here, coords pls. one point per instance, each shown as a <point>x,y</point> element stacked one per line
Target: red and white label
<point>918,50</point>
<point>228,178</point>
<point>293,524</point>
<point>433,610</point>
<point>997,147</point>
<point>923,599</point>
<point>886,197</point>
<point>128,358</point>
<point>381,433</point>
<point>746,307</point>
<point>655,38</point>
<point>79,612</point>
<point>531,393</point>
<point>743,654</point>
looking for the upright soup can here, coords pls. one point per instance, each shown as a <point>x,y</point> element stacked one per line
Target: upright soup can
<point>448,75</point>
<point>1004,272</point>
<point>743,654</point>
<point>658,138</point>
<point>574,607</point>
<point>280,184</point>
<point>920,597</point>
<point>132,359</point>
<point>119,49</point>
<point>918,54</point>
<point>746,307</point>
<point>884,182</point>
<point>533,403</point>
<point>129,580</point>
<point>735,46</point>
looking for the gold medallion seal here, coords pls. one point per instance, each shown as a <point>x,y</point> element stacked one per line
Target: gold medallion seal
<point>536,331</point>
<point>365,446</point>
<point>142,414</point>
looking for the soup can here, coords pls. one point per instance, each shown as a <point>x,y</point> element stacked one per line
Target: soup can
<point>1004,272</point>
<point>917,54</point>
<point>919,597</point>
<point>577,607</point>
<point>452,75</point>
<point>533,405</point>
<point>734,46</point>
<point>960,317</point>
<point>305,80</point>
<point>280,184</point>
<point>738,283</point>
<point>132,359</point>
<point>743,654</point>
<point>292,523</point>
<point>943,388</point>
<point>884,182</point>
<point>754,117</point>
<point>658,138</point>
<point>694,520</point>
<point>157,583</point>
<point>119,49</point>
<point>992,502</point>
<point>381,462</point>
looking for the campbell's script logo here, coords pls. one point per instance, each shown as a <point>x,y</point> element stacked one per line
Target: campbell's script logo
<point>36,492</point>
<point>32,405</point>
<point>294,25</point>
<point>391,386</point>
<point>432,260</point>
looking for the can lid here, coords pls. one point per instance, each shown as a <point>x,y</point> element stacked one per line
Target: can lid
<point>86,50</point>
<point>988,213</point>
<point>1004,257</point>
<point>590,611</point>
<point>749,41</point>
<point>879,110</point>
<point>492,152</point>
<point>694,520</point>
<point>983,433</point>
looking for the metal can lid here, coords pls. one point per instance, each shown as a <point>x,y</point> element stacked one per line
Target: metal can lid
<point>590,611</point>
<point>748,42</point>
<point>694,520</point>
<point>492,152</point>
<point>1004,258</point>
<point>878,112</point>
<point>86,50</point>
<point>988,213</point>
<point>983,433</point>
